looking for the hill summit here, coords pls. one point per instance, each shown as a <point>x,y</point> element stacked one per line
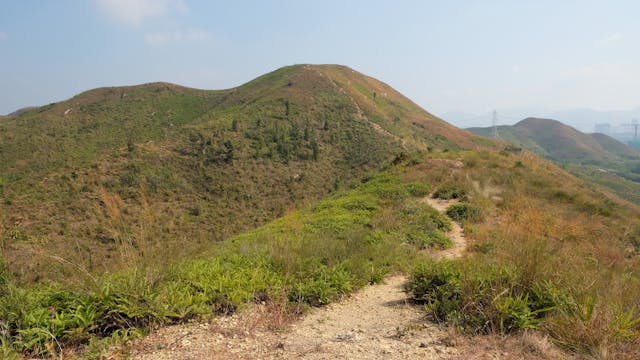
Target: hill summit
<point>76,176</point>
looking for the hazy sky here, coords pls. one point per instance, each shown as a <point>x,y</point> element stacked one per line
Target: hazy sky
<point>448,56</point>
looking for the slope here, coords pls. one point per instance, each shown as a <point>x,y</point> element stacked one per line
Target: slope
<point>596,158</point>
<point>548,254</point>
<point>120,174</point>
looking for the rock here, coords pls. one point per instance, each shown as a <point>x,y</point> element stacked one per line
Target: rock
<point>346,337</point>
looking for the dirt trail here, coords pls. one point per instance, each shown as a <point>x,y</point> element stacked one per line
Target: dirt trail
<point>377,322</point>
<point>456,234</point>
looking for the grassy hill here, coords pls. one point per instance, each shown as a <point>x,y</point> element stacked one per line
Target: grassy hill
<point>128,208</point>
<point>596,158</point>
<point>563,143</point>
<point>79,178</point>
<point>546,253</point>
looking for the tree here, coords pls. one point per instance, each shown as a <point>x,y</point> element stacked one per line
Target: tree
<point>286,108</point>
<point>227,151</point>
<point>316,150</point>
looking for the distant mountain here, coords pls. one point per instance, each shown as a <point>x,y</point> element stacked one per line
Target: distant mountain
<point>589,155</point>
<point>76,176</point>
<point>582,119</point>
<point>563,143</point>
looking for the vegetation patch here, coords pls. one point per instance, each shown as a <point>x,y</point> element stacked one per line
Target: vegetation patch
<point>449,192</point>
<point>307,258</point>
<point>479,299</point>
<point>465,212</point>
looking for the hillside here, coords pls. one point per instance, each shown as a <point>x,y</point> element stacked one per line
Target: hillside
<point>545,255</point>
<point>124,209</point>
<point>79,178</point>
<point>563,143</point>
<point>597,158</point>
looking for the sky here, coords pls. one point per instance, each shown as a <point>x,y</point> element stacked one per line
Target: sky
<point>459,57</point>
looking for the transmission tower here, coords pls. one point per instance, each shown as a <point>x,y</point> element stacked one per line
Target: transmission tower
<point>634,124</point>
<point>494,121</point>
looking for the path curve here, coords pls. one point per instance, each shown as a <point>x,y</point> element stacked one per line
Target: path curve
<point>377,322</point>
<point>456,234</point>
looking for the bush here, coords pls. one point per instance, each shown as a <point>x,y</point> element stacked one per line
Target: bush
<point>321,286</point>
<point>425,240</point>
<point>465,211</point>
<point>424,217</point>
<point>449,192</point>
<point>479,299</point>
<point>438,286</point>
<point>418,189</point>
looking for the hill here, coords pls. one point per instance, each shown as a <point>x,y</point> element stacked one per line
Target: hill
<point>546,254</point>
<point>563,143</point>
<point>78,178</point>
<point>596,158</point>
<point>128,208</point>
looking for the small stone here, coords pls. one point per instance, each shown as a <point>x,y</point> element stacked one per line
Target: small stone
<point>346,337</point>
<point>448,341</point>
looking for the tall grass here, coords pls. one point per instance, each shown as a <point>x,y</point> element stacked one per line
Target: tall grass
<point>549,255</point>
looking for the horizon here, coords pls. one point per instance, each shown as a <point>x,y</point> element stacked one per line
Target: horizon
<point>468,57</point>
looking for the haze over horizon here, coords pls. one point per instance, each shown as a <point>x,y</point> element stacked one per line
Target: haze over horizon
<point>467,57</point>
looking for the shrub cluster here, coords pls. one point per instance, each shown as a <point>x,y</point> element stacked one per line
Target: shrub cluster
<point>465,212</point>
<point>485,299</point>
<point>450,191</point>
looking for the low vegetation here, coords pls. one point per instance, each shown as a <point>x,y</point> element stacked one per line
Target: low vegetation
<point>258,192</point>
<point>596,158</point>
<point>449,192</point>
<point>549,255</point>
<point>306,258</point>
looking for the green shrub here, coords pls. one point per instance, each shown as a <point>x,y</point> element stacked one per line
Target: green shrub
<point>479,299</point>
<point>424,217</point>
<point>321,286</point>
<point>450,191</point>
<point>465,211</point>
<point>418,189</point>
<point>425,240</point>
<point>438,286</point>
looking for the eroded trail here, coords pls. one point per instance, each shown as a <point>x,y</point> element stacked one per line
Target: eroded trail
<point>377,322</point>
